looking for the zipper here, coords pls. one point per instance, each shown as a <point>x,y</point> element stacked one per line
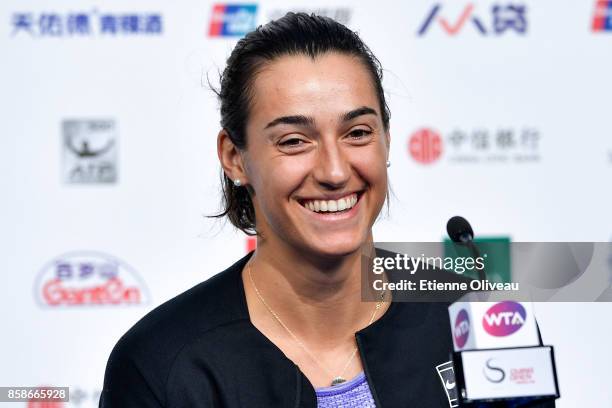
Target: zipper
<point>367,371</point>
<point>298,390</point>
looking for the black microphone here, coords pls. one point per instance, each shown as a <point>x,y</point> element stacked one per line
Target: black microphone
<point>460,231</point>
<point>496,362</point>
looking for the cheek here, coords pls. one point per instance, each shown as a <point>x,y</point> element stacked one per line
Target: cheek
<point>279,177</point>
<point>371,166</point>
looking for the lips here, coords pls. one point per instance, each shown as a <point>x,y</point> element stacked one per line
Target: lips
<point>341,204</point>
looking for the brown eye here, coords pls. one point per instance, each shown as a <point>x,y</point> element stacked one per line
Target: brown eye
<point>359,134</point>
<point>293,142</point>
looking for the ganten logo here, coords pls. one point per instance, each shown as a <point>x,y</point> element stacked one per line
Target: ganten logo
<point>504,318</point>
<point>88,278</point>
<point>504,18</point>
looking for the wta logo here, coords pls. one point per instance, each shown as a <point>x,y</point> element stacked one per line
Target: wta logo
<point>504,318</point>
<point>461,331</point>
<point>425,146</point>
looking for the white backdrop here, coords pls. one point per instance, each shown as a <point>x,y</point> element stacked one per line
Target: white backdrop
<point>517,98</point>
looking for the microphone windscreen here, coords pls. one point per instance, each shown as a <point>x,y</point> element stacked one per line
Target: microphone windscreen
<point>457,227</point>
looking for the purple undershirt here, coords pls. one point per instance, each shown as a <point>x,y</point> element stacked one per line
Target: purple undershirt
<point>354,393</point>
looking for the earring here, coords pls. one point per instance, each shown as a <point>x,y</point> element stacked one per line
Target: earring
<point>388,163</point>
<point>237,183</point>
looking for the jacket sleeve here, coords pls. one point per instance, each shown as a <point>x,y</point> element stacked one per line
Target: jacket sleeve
<point>126,385</point>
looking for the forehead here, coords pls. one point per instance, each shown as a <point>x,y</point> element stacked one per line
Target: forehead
<point>327,85</point>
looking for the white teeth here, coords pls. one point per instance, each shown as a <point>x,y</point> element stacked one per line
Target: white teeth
<point>342,204</point>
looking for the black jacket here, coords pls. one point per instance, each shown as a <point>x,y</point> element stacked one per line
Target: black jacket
<point>200,349</point>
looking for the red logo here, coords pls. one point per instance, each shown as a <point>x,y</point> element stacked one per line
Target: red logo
<point>452,28</point>
<point>425,146</point>
<point>88,278</point>
<point>251,244</point>
<point>602,21</point>
<point>522,375</point>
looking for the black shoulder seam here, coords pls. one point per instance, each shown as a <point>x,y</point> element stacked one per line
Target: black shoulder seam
<point>186,343</point>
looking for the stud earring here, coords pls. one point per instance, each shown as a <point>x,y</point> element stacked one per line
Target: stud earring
<point>388,163</point>
<point>237,183</point>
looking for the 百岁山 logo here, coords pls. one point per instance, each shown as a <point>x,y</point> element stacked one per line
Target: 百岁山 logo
<point>88,278</point>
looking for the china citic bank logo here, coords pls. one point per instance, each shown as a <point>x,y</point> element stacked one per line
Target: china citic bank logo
<point>251,244</point>
<point>425,146</point>
<point>461,331</point>
<point>88,278</point>
<point>230,20</point>
<point>504,18</point>
<point>504,318</point>
<point>602,20</point>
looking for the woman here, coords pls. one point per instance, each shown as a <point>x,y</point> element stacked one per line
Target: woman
<point>304,148</point>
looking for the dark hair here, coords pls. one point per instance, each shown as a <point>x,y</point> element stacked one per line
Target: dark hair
<point>293,34</point>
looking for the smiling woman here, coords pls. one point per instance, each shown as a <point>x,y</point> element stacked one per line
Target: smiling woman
<point>315,136</point>
<point>304,147</point>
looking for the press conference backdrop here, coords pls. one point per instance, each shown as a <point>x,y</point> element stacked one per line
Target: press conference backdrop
<point>500,113</point>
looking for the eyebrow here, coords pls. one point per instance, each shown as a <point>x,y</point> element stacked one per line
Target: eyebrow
<point>308,121</point>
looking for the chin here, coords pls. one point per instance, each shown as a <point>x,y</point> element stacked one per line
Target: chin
<point>341,246</point>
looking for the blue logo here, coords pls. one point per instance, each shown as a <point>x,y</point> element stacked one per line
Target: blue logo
<point>231,20</point>
<point>84,24</point>
<point>504,18</point>
<point>602,20</point>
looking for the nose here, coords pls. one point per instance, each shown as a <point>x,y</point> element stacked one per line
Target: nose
<point>332,169</point>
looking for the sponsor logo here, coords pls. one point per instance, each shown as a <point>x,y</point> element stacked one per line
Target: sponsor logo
<point>503,18</point>
<point>602,18</point>
<point>446,373</point>
<point>504,145</point>
<point>85,24</point>
<point>522,375</point>
<point>340,14</point>
<point>425,146</point>
<point>88,278</point>
<point>89,151</point>
<point>496,374</point>
<point>461,331</point>
<point>232,20</point>
<point>251,244</point>
<point>492,373</point>
<point>504,318</point>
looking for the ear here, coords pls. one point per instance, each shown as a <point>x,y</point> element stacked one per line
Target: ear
<point>230,158</point>
<point>388,141</point>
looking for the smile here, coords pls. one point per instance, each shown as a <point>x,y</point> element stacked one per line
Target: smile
<point>331,206</point>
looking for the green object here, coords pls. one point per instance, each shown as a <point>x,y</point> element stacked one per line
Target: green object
<point>495,252</point>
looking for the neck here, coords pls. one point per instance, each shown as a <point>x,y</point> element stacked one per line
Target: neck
<point>318,298</point>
